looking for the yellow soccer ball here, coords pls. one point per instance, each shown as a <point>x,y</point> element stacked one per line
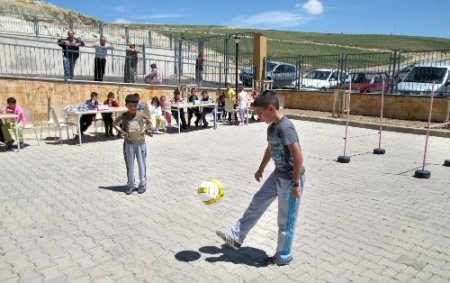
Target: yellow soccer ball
<point>210,191</point>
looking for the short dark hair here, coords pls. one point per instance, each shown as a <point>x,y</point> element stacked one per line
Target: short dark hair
<point>267,98</point>
<point>131,98</point>
<point>176,91</point>
<point>94,94</point>
<point>11,100</point>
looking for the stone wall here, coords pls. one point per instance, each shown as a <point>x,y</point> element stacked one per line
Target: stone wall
<point>395,106</point>
<point>39,95</point>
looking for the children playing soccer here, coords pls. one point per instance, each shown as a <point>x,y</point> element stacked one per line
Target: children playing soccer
<point>285,182</point>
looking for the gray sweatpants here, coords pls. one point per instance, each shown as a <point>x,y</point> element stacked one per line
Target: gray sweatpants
<point>130,151</point>
<point>288,206</point>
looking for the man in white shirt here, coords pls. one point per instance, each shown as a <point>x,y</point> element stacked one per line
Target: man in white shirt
<point>101,50</point>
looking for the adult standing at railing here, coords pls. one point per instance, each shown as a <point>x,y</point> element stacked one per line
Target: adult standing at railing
<point>101,50</point>
<point>71,52</point>
<point>199,68</point>
<point>131,62</point>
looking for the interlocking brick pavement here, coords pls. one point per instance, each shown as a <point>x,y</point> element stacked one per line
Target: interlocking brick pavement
<point>64,216</point>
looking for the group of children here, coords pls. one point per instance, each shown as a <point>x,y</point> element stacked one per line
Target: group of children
<point>285,182</point>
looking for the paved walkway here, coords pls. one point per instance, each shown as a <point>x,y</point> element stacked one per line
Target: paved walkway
<point>64,216</point>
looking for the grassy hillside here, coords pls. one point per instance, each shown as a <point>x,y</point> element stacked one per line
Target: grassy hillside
<point>288,43</point>
<point>280,43</point>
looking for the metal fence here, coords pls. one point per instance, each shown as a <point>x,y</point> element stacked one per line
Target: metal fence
<point>221,58</point>
<point>412,72</point>
<point>177,66</point>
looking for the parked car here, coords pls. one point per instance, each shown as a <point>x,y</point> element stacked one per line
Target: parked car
<point>322,79</point>
<point>421,77</point>
<point>366,82</point>
<point>281,73</point>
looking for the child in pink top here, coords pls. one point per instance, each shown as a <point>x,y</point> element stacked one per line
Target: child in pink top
<point>13,108</point>
<point>165,104</point>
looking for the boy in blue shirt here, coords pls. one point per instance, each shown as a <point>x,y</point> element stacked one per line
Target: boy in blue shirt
<point>285,182</point>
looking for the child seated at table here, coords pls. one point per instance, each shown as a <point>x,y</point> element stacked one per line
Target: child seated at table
<point>86,119</point>
<point>206,110</point>
<point>175,101</point>
<point>165,104</point>
<point>156,116</point>
<point>13,108</point>
<point>107,117</point>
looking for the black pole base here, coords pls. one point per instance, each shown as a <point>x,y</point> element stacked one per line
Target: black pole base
<point>447,162</point>
<point>379,151</point>
<point>422,174</point>
<point>343,159</point>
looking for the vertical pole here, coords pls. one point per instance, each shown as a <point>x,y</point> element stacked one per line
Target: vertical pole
<point>220,73</point>
<point>428,127</point>
<point>237,65</point>
<point>380,150</point>
<point>100,27</point>
<point>225,58</point>
<point>343,158</point>
<point>382,113</point>
<point>180,44</point>
<point>144,61</point>
<point>348,116</point>
<point>422,173</point>
<point>36,25</point>
<point>127,35</point>
<point>150,38</point>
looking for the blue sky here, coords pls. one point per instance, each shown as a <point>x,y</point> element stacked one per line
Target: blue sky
<point>406,17</point>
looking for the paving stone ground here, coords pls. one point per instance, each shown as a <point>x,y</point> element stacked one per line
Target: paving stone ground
<point>64,216</point>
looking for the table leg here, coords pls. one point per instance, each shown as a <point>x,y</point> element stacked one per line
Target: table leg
<point>215,117</point>
<point>17,133</point>
<point>79,129</point>
<point>179,120</point>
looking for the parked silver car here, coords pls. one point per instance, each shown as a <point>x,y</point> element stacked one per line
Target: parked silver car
<point>281,73</point>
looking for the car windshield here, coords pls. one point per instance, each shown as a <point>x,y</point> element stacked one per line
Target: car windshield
<point>318,75</point>
<point>426,75</point>
<point>363,78</point>
<point>271,66</point>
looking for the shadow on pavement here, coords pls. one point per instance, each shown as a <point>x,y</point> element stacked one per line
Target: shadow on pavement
<point>246,255</point>
<point>120,188</point>
<point>187,256</point>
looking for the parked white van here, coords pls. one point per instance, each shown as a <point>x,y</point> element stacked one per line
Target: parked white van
<point>421,77</point>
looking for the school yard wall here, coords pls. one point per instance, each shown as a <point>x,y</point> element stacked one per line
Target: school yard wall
<point>41,94</point>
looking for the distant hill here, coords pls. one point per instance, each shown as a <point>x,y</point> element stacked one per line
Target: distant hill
<point>280,43</point>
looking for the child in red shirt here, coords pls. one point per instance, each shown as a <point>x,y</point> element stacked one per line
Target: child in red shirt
<point>107,117</point>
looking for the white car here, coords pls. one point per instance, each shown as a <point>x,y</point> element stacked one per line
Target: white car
<point>421,77</point>
<point>322,79</point>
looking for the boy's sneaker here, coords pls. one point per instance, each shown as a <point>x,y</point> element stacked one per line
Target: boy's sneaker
<point>272,260</point>
<point>129,191</point>
<point>142,190</point>
<point>228,240</point>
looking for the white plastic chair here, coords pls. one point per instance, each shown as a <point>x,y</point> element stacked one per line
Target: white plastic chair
<point>229,108</point>
<point>59,125</point>
<point>50,123</point>
<point>29,124</point>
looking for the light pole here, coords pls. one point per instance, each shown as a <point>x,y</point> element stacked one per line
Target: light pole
<point>237,40</point>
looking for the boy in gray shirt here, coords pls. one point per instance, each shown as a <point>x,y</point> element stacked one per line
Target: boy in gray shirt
<point>134,126</point>
<point>286,182</point>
